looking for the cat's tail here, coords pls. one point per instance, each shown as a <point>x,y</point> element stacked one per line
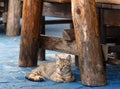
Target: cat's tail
<point>35,78</point>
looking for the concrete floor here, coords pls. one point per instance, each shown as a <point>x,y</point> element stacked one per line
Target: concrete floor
<point>12,76</point>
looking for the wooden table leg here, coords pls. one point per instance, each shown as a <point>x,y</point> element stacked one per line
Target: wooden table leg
<point>32,14</point>
<point>87,39</point>
<point>13,20</point>
<point>41,54</point>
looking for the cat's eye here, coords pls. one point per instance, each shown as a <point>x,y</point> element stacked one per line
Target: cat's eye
<point>58,65</point>
<point>67,66</point>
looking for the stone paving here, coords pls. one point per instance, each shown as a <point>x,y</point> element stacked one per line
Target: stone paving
<point>12,76</point>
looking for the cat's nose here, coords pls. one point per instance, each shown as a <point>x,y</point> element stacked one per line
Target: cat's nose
<point>61,69</point>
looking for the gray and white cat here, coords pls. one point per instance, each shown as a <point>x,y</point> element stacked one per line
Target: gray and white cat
<point>59,71</point>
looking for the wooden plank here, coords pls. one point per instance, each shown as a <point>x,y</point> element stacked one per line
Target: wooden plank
<point>116,6</point>
<point>60,21</point>
<point>102,30</point>
<point>32,14</point>
<point>109,1</point>
<point>41,53</point>
<point>112,17</point>
<point>114,62</point>
<point>58,44</point>
<point>98,1</point>
<point>69,35</point>
<point>115,48</point>
<point>57,10</point>
<point>105,51</point>
<point>58,1</point>
<point>87,41</point>
<point>113,31</point>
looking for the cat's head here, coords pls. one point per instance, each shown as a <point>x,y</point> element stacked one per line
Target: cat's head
<point>63,64</point>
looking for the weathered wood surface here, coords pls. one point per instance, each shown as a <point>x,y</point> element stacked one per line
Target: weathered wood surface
<point>108,6</point>
<point>59,21</point>
<point>87,40</point>
<point>113,32</point>
<point>13,20</point>
<point>114,48</point>
<point>109,1</point>
<point>114,62</point>
<point>112,17</point>
<point>69,35</point>
<point>29,46</point>
<point>58,44</point>
<point>100,1</point>
<point>58,1</point>
<point>57,10</point>
<point>41,53</point>
<point>105,51</point>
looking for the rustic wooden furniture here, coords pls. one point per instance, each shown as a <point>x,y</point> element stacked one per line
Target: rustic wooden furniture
<point>110,31</point>
<point>30,39</point>
<point>86,44</point>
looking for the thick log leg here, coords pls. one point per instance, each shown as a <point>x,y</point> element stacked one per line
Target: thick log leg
<point>13,20</point>
<point>87,39</point>
<point>32,14</point>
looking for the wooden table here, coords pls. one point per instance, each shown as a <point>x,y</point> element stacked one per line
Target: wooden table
<point>86,33</point>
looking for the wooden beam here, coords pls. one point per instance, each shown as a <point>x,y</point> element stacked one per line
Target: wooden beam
<point>69,35</point>
<point>115,48</point>
<point>60,21</point>
<point>105,51</point>
<point>114,62</point>
<point>87,41</point>
<point>109,1</point>
<point>58,1</point>
<point>41,53</point>
<point>32,15</point>
<point>13,20</point>
<point>58,44</point>
<point>112,17</point>
<point>57,10</point>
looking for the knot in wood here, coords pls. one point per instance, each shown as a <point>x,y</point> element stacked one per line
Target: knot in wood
<point>78,11</point>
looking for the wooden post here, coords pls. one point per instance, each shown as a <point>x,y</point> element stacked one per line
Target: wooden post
<point>32,14</point>
<point>13,20</point>
<point>87,39</point>
<point>41,54</point>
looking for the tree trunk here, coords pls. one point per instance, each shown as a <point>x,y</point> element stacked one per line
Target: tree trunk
<point>32,14</point>
<point>13,20</point>
<point>87,39</point>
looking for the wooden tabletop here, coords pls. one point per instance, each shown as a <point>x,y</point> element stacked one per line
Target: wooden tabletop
<point>109,1</point>
<point>101,1</point>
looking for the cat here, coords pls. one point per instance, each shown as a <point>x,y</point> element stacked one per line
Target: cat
<point>58,71</point>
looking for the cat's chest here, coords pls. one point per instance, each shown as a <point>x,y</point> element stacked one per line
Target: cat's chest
<point>50,68</point>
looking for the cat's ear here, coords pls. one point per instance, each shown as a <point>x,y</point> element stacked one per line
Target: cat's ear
<point>57,57</point>
<point>68,57</point>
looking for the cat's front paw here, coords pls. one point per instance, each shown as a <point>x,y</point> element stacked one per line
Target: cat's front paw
<point>58,79</point>
<point>34,77</point>
<point>69,79</point>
